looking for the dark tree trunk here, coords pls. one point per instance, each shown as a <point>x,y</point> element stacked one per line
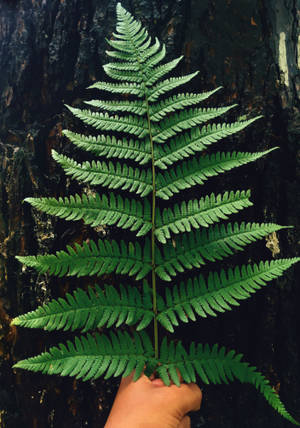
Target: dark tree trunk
<point>50,50</point>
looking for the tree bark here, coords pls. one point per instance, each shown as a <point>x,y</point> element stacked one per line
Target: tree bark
<point>50,51</point>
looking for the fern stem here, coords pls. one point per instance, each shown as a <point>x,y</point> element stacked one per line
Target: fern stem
<point>154,292</point>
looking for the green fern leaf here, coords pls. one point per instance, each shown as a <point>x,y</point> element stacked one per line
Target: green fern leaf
<point>111,147</point>
<point>122,46</point>
<point>161,71</point>
<point>90,357</point>
<point>196,171</point>
<point>167,85</point>
<point>152,56</point>
<point>119,88</point>
<point>177,102</point>
<point>95,259</point>
<point>139,35</point>
<point>99,210</point>
<point>107,175</point>
<point>186,120</point>
<point>196,213</point>
<point>92,309</point>
<point>130,124</point>
<point>195,141</point>
<point>126,66</point>
<point>192,249</point>
<point>219,293</point>
<point>125,76</point>
<point>157,55</point>
<point>214,365</point>
<point>136,107</point>
<point>128,27</point>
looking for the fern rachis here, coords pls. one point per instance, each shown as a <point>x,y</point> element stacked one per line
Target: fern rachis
<point>155,155</point>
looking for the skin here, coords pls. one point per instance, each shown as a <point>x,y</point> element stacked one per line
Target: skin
<point>148,403</point>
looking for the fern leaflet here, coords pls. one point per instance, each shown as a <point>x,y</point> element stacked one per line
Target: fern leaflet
<point>219,293</point>
<point>92,309</point>
<point>95,259</point>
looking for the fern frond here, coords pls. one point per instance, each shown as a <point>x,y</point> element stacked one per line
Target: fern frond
<point>119,88</point>
<point>121,45</point>
<point>162,70</point>
<point>90,357</point>
<point>161,109</point>
<point>130,124</point>
<point>196,140</point>
<point>214,365</point>
<point>99,210</point>
<point>195,248</point>
<point>92,309</point>
<point>162,130</point>
<point>131,32</point>
<point>107,175</point>
<point>196,213</point>
<point>219,292</point>
<point>136,107</point>
<point>95,259</point>
<point>111,147</point>
<point>158,53</point>
<point>123,76</point>
<point>134,45</point>
<point>124,66</point>
<point>167,85</point>
<point>127,26</point>
<point>131,47</point>
<point>196,171</point>
<point>185,120</point>
<point>151,56</point>
<point>138,35</point>
<point>129,42</point>
<point>124,56</point>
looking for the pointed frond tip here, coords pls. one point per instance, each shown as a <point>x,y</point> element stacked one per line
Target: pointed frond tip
<point>197,171</point>
<point>99,210</point>
<point>196,248</point>
<point>111,147</point>
<point>90,357</point>
<point>187,119</point>
<point>195,213</point>
<point>177,102</point>
<point>103,121</point>
<point>95,259</point>
<point>219,292</point>
<point>196,140</point>
<point>111,175</point>
<point>93,309</point>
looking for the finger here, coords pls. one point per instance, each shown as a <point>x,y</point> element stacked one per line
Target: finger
<point>157,382</point>
<point>126,380</point>
<point>191,397</point>
<point>129,380</point>
<point>185,422</point>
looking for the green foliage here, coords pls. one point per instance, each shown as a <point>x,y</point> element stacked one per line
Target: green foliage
<point>162,153</point>
<point>92,309</point>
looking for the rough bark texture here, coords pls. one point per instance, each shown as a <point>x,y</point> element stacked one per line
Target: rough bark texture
<point>50,50</point>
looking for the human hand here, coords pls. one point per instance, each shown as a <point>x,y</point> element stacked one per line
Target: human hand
<point>149,403</point>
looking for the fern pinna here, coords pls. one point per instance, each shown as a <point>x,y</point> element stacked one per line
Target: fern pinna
<point>153,155</point>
